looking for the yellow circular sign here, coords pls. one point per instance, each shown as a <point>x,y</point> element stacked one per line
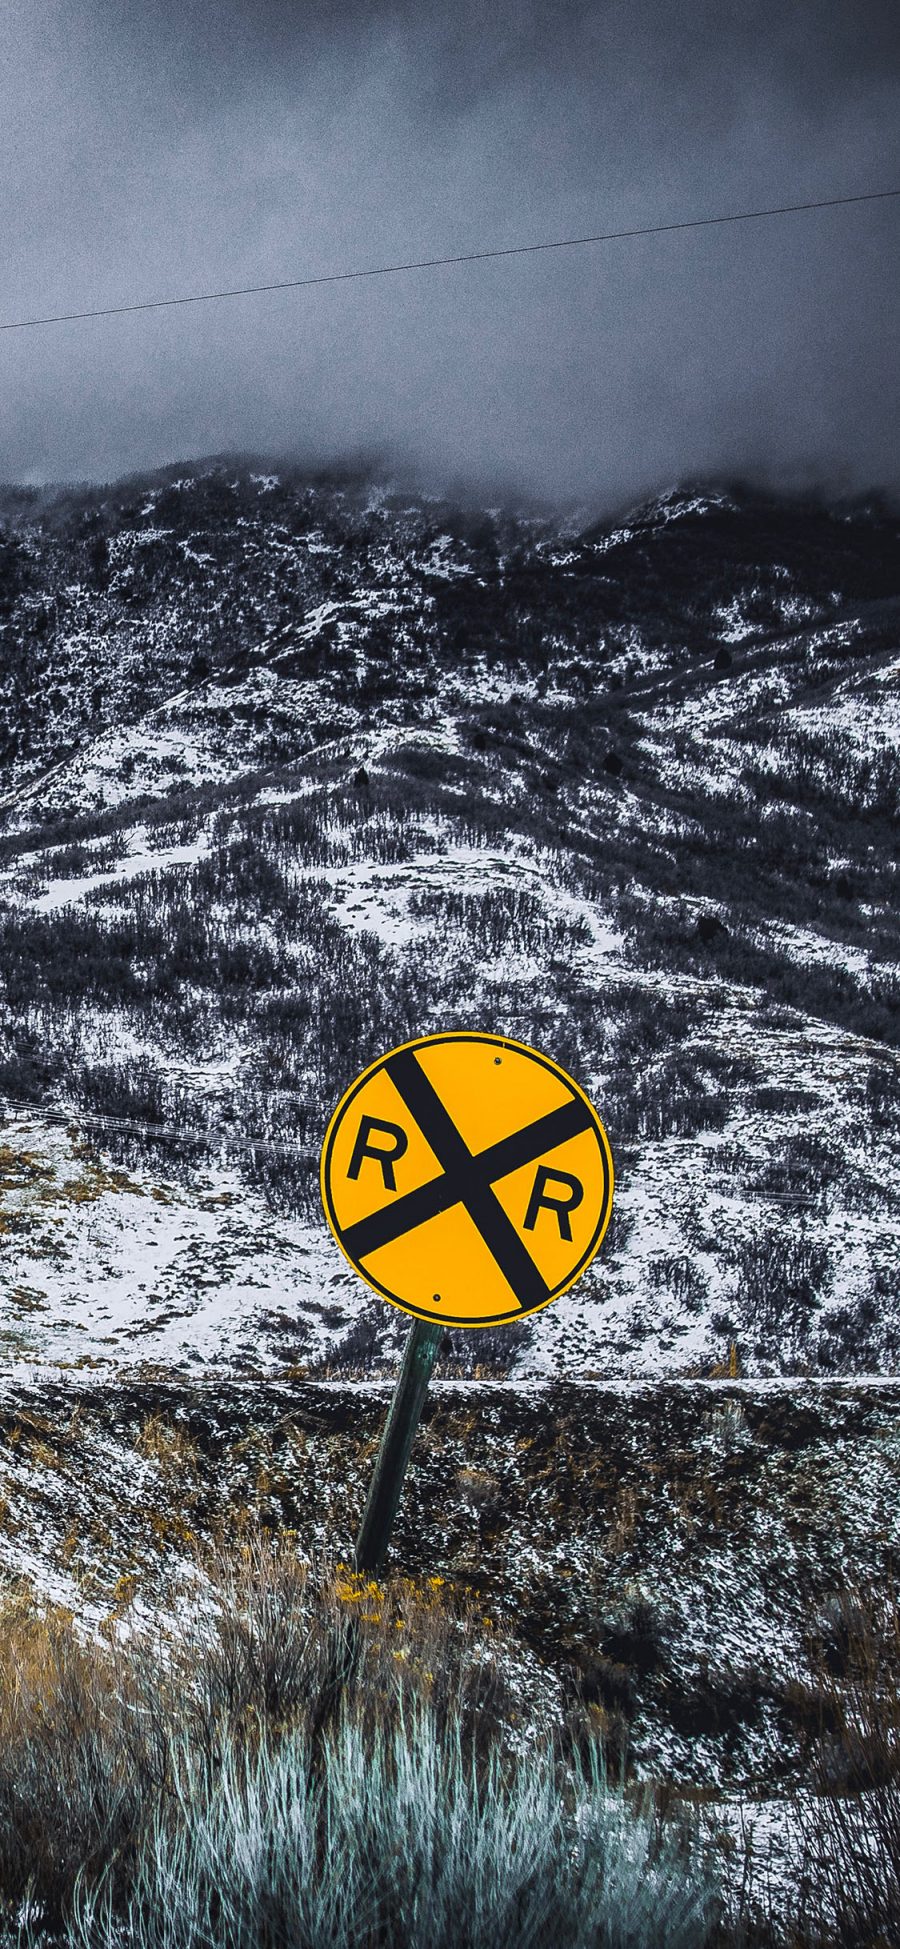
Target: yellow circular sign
<point>467,1178</point>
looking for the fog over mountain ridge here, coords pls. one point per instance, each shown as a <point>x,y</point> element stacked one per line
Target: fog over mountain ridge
<point>195,149</point>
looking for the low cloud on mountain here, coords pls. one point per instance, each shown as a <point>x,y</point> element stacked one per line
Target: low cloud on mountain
<point>182,149</point>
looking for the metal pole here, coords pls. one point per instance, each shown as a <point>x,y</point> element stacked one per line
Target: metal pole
<point>396,1442</point>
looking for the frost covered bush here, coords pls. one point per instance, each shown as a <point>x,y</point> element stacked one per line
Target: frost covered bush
<point>313,1760</point>
<point>399,1840</point>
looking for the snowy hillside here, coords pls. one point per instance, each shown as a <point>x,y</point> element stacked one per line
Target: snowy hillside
<point>293,769</point>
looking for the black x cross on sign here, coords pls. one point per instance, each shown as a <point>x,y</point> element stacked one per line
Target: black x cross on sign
<point>468,1178</point>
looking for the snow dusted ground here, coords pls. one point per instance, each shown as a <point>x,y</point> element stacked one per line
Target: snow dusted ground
<point>140,1267</point>
<point>109,1268</point>
<point>666,1551</point>
<point>113,1267</point>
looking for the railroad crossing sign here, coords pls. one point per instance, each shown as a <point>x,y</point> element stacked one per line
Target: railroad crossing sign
<point>467,1178</point>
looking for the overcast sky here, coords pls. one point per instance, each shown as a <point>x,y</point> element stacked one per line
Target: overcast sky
<point>177,145</point>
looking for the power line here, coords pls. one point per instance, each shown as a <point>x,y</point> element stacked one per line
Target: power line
<point>213,1134</point>
<point>216,1137</point>
<point>463,257</point>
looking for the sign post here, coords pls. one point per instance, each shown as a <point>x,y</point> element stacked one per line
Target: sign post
<point>469,1180</point>
<point>393,1455</point>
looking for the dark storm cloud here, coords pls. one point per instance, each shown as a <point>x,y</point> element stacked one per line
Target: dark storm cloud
<point>162,148</point>
<point>814,47</point>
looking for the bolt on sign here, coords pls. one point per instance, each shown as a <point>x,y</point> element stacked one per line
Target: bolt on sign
<point>467,1178</point>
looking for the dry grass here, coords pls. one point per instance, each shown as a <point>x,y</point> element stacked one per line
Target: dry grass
<point>281,1672</point>
<point>162,1441</point>
<point>71,1774</point>
<point>275,1655</point>
<point>87,1729</point>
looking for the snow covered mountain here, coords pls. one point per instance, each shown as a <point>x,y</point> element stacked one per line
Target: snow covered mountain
<point>294,768</point>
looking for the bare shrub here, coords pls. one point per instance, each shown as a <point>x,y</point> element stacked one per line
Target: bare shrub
<point>673,1097</point>
<point>676,1273</point>
<point>883,1095</point>
<point>780,1276</point>
<point>801,1172</point>
<point>362,1347</point>
<point>849,1878</point>
<point>502,920</point>
<point>489,1352</point>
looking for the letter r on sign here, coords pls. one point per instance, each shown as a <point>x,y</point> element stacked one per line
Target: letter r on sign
<point>384,1155</point>
<point>562,1206</point>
